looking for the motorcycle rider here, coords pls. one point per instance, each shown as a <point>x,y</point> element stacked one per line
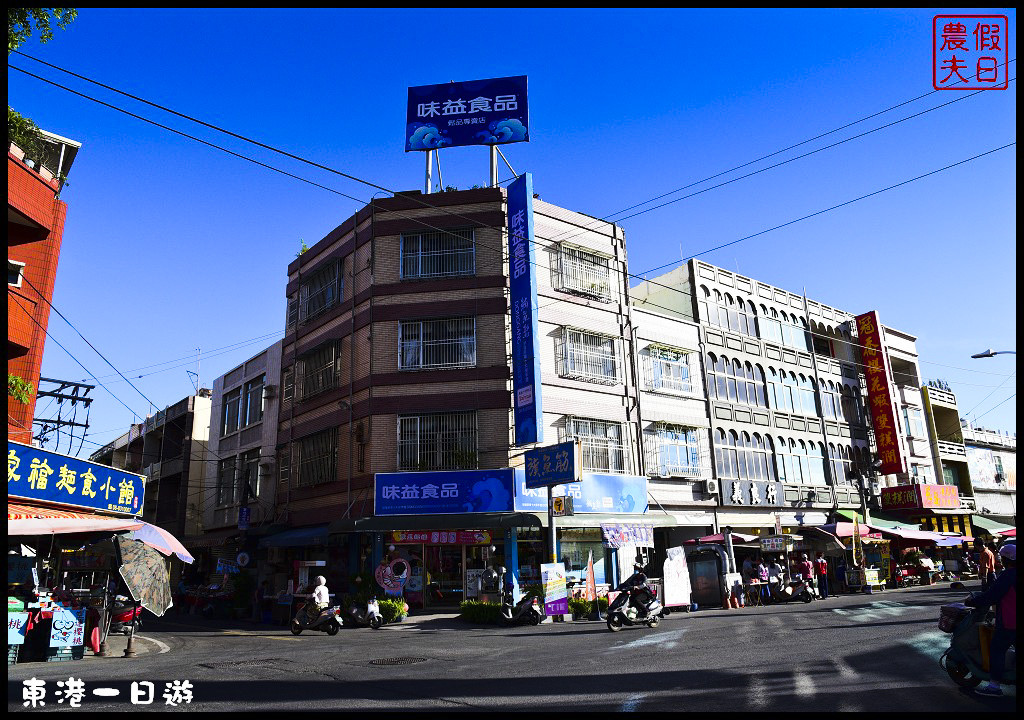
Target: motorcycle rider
<point>1003,594</point>
<point>320,600</point>
<point>636,580</point>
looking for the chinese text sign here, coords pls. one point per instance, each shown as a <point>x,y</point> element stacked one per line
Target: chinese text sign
<point>526,390</point>
<point>478,112</point>
<point>887,431</point>
<point>970,52</point>
<point>554,465</point>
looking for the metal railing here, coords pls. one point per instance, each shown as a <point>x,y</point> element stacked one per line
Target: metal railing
<point>449,343</point>
<point>584,273</point>
<point>676,452</point>
<point>439,441</point>
<point>438,254</point>
<point>954,449</point>
<point>669,369</point>
<point>589,356</point>
<point>318,373</point>
<point>603,444</point>
<point>318,456</point>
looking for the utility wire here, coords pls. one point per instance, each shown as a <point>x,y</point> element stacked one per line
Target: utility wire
<point>988,411</point>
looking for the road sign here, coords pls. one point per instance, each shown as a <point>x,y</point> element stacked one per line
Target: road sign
<point>562,506</point>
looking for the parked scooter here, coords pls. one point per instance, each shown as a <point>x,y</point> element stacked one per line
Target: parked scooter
<point>906,578</point>
<point>371,617</point>
<point>793,590</point>
<point>122,612</point>
<point>636,604</point>
<point>327,620</point>
<point>527,610</point>
<point>962,661</point>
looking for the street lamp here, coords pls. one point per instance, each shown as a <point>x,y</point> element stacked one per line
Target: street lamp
<point>990,353</point>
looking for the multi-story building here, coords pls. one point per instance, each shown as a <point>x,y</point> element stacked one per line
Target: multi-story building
<point>787,399</point>
<point>396,361</point>
<point>992,467</point>
<point>171,450</point>
<point>238,502</point>
<point>35,229</point>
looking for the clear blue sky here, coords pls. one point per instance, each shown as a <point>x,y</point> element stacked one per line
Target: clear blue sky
<point>172,246</point>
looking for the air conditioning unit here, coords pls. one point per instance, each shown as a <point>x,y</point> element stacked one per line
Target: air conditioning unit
<point>711,487</point>
<point>269,391</point>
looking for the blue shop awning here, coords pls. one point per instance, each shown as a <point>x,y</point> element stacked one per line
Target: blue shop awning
<point>299,537</point>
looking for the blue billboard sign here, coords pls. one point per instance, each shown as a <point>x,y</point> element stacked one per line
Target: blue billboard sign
<point>554,465</point>
<point>429,493</point>
<point>595,493</point>
<point>526,399</point>
<point>37,474</point>
<point>478,112</point>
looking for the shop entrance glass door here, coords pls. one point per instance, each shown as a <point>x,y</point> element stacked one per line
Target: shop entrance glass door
<point>444,564</point>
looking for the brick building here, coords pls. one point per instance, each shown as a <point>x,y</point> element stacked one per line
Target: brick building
<point>35,230</point>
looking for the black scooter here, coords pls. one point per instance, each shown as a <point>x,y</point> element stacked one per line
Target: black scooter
<point>793,590</point>
<point>527,610</point>
<point>328,621</point>
<point>636,604</point>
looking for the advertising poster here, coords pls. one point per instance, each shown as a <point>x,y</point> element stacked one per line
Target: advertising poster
<point>591,592</point>
<point>556,596</point>
<point>66,627</point>
<point>16,627</point>
<point>676,578</point>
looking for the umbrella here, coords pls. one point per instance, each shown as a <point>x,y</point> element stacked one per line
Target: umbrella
<point>833,545</point>
<point>1012,532</point>
<point>145,573</point>
<point>720,538</point>
<point>160,539</point>
<point>845,529</point>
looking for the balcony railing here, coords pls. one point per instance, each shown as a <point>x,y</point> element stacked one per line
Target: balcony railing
<point>968,503</point>
<point>953,450</point>
<point>941,396</point>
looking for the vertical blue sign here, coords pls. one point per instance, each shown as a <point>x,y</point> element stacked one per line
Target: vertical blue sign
<point>526,400</point>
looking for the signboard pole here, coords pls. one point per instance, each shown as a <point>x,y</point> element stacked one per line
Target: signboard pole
<point>429,181</point>
<point>494,166</point>
<point>551,528</point>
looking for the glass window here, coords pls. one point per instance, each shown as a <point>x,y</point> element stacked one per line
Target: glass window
<point>447,343</point>
<point>584,273</point>
<point>317,458</point>
<point>231,412</point>
<point>667,369</point>
<point>604,448</point>
<point>589,356</point>
<point>438,441</point>
<point>320,292</point>
<point>317,370</point>
<point>674,450</point>
<point>226,481</point>
<point>249,477</point>
<point>253,402</point>
<point>444,253</point>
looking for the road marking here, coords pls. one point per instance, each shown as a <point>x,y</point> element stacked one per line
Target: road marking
<point>632,703</point>
<point>758,691</point>
<point>932,643</point>
<point>844,668</point>
<point>878,610</point>
<point>667,639</point>
<point>164,647</point>
<point>803,684</point>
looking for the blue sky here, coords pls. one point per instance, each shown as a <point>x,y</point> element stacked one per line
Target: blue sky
<point>171,246</point>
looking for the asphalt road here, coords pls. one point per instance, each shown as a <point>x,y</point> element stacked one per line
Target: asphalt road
<point>874,653</point>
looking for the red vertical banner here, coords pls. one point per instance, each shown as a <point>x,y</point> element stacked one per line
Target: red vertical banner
<point>591,593</point>
<point>883,415</point>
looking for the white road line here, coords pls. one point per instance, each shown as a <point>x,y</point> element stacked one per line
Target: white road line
<point>847,672</point>
<point>757,693</point>
<point>632,703</point>
<point>164,647</point>
<point>668,639</point>
<point>803,684</point>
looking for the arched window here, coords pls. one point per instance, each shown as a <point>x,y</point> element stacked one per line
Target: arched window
<point>721,455</point>
<point>816,461</point>
<point>704,306</point>
<point>759,391</point>
<point>732,460</point>
<point>791,393</point>
<point>712,373</point>
<point>851,413</point>
<point>743,456</point>
<point>770,459</point>
<point>805,465</point>
<point>721,377</point>
<point>739,384</point>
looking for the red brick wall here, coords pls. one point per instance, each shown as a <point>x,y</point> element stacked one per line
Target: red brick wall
<point>38,246</point>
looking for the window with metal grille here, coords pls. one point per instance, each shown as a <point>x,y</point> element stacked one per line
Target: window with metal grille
<point>317,457</point>
<point>584,273</point>
<point>667,368</point>
<point>293,312</point>
<point>438,441</point>
<point>603,443</point>
<point>287,384</point>
<point>448,343</point>
<point>675,450</point>
<point>317,371</point>
<point>589,356</point>
<point>320,292</point>
<point>226,481</point>
<point>445,253</point>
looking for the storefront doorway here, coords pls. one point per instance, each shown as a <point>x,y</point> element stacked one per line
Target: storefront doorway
<point>444,566</point>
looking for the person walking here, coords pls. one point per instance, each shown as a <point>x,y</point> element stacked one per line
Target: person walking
<point>987,567</point>
<point>821,571</point>
<point>1002,594</point>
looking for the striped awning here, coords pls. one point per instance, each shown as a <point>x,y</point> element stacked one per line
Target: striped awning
<point>17,511</point>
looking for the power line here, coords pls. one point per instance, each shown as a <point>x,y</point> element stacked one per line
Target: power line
<point>988,411</point>
<point>990,394</point>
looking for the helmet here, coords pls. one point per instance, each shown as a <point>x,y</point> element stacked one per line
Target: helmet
<point>321,580</point>
<point>1009,551</point>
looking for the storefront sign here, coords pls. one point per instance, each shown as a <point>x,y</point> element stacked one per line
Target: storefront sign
<point>428,493</point>
<point>36,474</point>
<point>883,414</point>
<point>226,567</point>
<point>68,627</point>
<point>755,493</point>
<point>619,535</point>
<point>442,537</point>
<point>912,497</point>
<point>16,623</point>
<point>595,493</point>
<point>243,518</point>
<point>392,576</point>
<point>526,387</point>
<point>554,465</point>
<point>776,543</point>
<point>477,112</point>
<point>556,596</point>
<point>676,578</point>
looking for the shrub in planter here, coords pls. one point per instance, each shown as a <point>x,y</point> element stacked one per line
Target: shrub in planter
<point>583,608</point>
<point>474,611</point>
<point>392,609</point>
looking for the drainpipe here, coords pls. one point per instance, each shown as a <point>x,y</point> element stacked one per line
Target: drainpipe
<point>631,342</point>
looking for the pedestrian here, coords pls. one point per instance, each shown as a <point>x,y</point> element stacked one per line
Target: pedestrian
<point>841,572</point>
<point>775,574</point>
<point>1002,594</point>
<point>259,596</point>
<point>748,571</point>
<point>806,569</point>
<point>987,566</point>
<point>821,571</point>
